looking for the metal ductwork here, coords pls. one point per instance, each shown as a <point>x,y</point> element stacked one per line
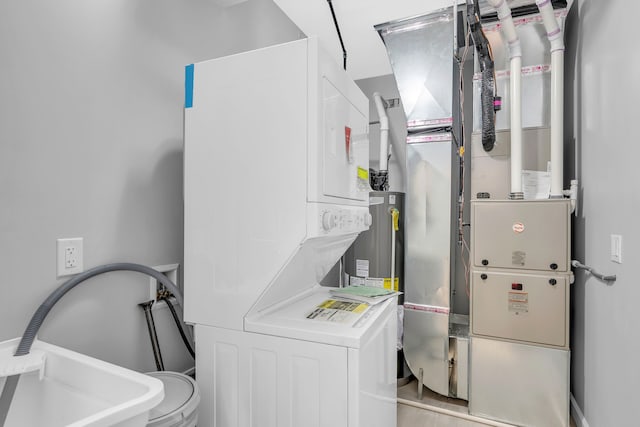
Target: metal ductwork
<point>424,80</point>
<point>420,50</point>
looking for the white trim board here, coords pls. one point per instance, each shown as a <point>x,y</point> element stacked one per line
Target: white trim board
<point>577,415</point>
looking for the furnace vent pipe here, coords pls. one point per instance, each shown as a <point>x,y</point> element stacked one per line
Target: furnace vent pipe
<point>384,132</point>
<point>554,34</point>
<point>515,88</point>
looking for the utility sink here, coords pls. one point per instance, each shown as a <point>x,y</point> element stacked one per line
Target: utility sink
<point>65,388</point>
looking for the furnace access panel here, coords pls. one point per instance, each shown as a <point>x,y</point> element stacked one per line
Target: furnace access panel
<point>527,234</point>
<point>522,307</point>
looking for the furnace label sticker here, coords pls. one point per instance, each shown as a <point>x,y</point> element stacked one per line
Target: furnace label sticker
<point>518,258</point>
<point>518,302</point>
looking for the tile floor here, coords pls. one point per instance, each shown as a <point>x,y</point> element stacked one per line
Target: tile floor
<point>409,416</point>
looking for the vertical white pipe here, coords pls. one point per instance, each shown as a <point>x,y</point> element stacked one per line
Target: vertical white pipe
<point>516,125</point>
<point>554,33</point>
<point>384,132</point>
<point>557,126</point>
<point>455,28</point>
<point>515,88</point>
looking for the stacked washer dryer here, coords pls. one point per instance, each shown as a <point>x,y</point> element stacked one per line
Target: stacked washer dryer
<point>276,190</point>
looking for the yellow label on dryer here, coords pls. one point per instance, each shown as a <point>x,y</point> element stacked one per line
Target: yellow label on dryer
<point>363,173</point>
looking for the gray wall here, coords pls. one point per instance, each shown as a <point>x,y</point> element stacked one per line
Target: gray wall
<point>91,96</point>
<point>602,93</point>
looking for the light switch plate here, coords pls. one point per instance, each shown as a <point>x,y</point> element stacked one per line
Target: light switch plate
<point>616,248</point>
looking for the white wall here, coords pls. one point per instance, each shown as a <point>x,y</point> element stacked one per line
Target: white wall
<point>603,112</point>
<point>91,96</point>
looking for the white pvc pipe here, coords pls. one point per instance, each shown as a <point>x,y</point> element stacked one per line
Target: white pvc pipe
<point>554,33</point>
<point>455,28</point>
<point>557,127</point>
<point>384,132</point>
<point>515,88</point>
<point>573,195</point>
<point>516,124</point>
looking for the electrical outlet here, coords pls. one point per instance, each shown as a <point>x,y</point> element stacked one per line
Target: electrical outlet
<point>69,259</point>
<point>616,248</point>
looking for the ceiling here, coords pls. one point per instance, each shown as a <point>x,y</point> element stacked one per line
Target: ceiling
<point>366,54</point>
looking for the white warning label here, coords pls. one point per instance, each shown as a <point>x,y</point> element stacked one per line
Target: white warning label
<point>518,302</point>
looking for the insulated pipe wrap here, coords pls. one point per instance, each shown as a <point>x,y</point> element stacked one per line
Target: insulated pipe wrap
<point>488,89</point>
<point>487,84</point>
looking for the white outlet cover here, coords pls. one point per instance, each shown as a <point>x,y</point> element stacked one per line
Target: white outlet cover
<point>64,248</point>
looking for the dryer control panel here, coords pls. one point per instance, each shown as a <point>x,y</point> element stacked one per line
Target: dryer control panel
<point>325,219</point>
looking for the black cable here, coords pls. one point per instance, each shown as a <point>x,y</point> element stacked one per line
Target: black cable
<point>153,336</point>
<point>335,21</point>
<point>176,318</point>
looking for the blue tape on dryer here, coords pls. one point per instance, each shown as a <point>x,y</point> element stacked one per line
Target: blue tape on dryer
<point>188,86</point>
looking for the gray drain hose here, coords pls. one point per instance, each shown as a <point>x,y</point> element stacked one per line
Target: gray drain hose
<point>41,313</point>
<point>7,395</point>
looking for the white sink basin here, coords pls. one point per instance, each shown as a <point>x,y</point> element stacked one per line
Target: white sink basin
<point>78,390</point>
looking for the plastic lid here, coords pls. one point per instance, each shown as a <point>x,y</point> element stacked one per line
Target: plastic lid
<point>181,398</point>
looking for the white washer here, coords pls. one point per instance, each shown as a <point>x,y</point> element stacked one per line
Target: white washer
<point>180,403</point>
